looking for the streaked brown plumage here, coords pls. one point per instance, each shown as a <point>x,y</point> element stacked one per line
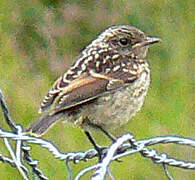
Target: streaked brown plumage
<point>105,86</point>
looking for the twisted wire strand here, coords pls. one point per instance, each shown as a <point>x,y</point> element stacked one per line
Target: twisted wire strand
<point>136,146</point>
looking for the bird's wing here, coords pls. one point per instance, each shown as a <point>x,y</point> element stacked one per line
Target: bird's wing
<point>83,89</point>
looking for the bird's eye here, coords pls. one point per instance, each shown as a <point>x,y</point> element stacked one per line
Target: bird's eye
<point>124,41</point>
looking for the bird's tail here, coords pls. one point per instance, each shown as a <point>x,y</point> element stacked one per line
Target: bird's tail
<point>42,124</point>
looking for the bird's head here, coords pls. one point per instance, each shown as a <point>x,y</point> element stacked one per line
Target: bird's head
<point>126,40</point>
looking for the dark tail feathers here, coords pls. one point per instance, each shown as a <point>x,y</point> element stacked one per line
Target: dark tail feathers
<point>42,125</point>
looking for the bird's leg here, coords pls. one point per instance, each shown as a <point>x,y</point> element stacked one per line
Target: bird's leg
<point>95,126</point>
<point>98,148</point>
<point>109,135</point>
<point>113,138</point>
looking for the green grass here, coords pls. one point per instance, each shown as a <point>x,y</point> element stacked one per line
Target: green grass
<point>40,39</point>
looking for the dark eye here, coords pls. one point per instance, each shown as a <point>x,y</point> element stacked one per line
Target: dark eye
<point>124,41</point>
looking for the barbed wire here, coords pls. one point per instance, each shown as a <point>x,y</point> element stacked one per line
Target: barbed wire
<point>125,145</point>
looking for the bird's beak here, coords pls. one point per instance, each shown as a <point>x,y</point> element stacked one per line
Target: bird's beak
<point>151,40</point>
<point>146,42</point>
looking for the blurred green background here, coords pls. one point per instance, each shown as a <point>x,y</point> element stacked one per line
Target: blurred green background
<point>39,39</point>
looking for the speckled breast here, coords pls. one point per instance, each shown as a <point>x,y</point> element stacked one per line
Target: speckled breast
<point>118,107</point>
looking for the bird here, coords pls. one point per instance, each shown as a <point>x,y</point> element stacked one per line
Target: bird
<point>105,86</point>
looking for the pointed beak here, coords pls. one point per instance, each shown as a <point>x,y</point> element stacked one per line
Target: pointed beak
<point>151,40</point>
<point>146,42</point>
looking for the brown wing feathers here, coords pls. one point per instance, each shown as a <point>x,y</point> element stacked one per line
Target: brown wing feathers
<point>64,95</point>
<point>80,91</point>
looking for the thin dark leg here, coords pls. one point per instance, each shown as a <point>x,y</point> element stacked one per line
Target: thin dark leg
<point>91,140</point>
<point>107,133</point>
<point>96,146</point>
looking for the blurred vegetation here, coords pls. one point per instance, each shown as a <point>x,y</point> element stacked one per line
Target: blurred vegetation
<point>39,39</point>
